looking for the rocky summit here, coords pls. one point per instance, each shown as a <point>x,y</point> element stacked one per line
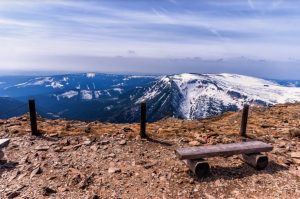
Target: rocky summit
<point>74,159</point>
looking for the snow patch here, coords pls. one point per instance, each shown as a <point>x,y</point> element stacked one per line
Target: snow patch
<point>155,90</point>
<point>86,94</point>
<point>69,94</point>
<point>118,90</point>
<point>56,85</point>
<point>90,75</point>
<point>97,94</point>
<point>44,81</point>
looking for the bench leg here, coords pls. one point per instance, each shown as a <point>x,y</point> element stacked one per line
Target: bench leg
<point>1,155</point>
<point>256,160</point>
<point>200,167</point>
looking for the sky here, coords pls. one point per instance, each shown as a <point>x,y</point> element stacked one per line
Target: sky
<point>251,37</point>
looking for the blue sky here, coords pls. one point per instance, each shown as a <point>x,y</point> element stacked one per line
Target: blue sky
<point>252,37</point>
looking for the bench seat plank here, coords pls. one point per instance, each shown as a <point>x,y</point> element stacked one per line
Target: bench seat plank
<point>4,143</point>
<point>222,150</point>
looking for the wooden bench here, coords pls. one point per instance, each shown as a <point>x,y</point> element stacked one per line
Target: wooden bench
<point>3,143</point>
<point>250,152</point>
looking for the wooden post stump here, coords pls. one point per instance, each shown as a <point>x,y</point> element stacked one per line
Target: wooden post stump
<point>33,122</point>
<point>244,122</point>
<point>199,167</point>
<point>256,160</point>
<point>143,120</point>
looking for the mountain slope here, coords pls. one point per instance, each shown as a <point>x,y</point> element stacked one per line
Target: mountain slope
<point>199,96</point>
<point>116,98</point>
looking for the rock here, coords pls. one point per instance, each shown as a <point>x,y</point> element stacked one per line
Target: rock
<point>62,189</point>
<point>1,154</point>
<point>295,172</point>
<point>122,142</point>
<point>114,170</point>
<point>65,142</point>
<point>67,127</point>
<point>42,148</point>
<point>86,182</point>
<point>48,191</point>
<point>282,145</point>
<point>76,179</point>
<point>194,143</point>
<point>58,149</point>
<point>21,176</point>
<point>36,171</point>
<point>294,132</point>
<point>266,126</point>
<point>52,177</point>
<point>104,142</point>
<point>111,155</point>
<point>295,155</point>
<point>296,161</point>
<point>13,194</point>
<point>218,183</point>
<point>54,135</point>
<point>94,197</point>
<point>75,147</point>
<point>149,165</point>
<point>87,130</point>
<point>209,196</point>
<point>94,147</point>
<point>87,142</point>
<point>127,129</point>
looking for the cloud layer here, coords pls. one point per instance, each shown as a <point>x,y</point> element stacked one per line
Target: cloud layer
<point>50,34</point>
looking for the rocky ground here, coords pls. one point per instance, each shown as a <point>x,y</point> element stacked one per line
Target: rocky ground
<point>101,160</point>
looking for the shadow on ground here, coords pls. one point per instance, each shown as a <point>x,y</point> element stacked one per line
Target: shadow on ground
<point>7,166</point>
<point>157,141</point>
<point>238,172</point>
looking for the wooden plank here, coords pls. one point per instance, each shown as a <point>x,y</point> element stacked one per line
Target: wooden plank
<point>4,143</point>
<point>223,150</point>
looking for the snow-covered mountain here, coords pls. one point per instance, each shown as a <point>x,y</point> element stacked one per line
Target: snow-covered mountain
<point>200,96</point>
<point>116,98</point>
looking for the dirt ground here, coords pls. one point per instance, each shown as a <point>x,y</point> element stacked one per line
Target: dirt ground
<point>74,159</point>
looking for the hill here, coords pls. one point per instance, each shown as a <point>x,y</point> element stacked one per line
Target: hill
<point>77,159</point>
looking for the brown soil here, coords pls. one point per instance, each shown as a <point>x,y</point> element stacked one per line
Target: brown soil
<point>88,160</point>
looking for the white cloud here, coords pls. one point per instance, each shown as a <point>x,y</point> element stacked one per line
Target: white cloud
<point>35,28</point>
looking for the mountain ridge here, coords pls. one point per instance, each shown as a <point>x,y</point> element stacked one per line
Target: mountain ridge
<point>116,98</point>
